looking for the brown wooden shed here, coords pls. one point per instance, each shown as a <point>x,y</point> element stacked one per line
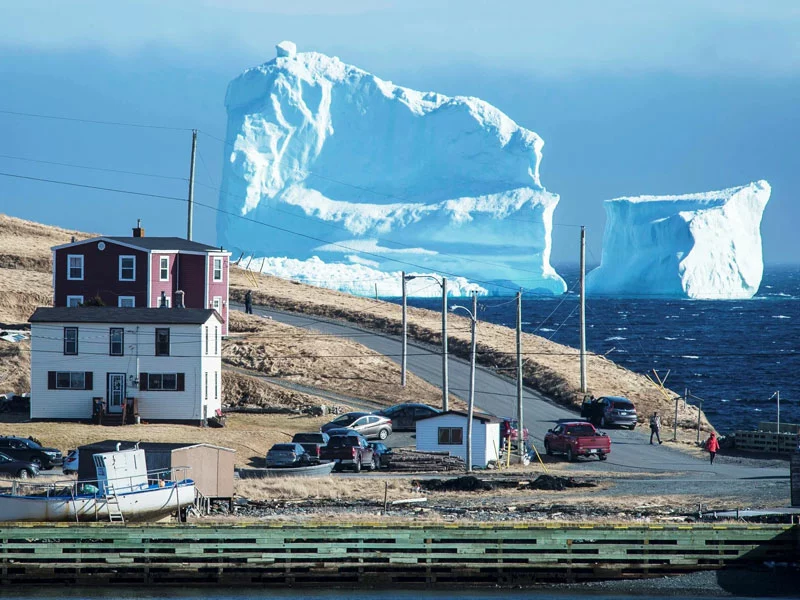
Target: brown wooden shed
<point>211,467</point>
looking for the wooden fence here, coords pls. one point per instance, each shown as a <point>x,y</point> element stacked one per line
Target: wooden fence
<point>767,441</point>
<point>408,555</point>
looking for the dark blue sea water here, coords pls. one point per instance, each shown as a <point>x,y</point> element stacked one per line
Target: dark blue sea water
<point>734,354</point>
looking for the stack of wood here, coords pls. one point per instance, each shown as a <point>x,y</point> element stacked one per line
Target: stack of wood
<point>404,459</point>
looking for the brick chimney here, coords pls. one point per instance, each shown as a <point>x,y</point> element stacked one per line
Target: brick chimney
<point>138,231</point>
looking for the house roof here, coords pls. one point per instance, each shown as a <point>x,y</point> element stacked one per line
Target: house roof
<point>483,418</point>
<point>111,446</point>
<point>148,244</point>
<point>109,314</point>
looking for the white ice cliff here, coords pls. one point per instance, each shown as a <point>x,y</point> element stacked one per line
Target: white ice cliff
<point>355,170</point>
<point>704,246</point>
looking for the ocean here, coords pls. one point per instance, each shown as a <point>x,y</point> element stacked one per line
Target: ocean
<point>733,354</point>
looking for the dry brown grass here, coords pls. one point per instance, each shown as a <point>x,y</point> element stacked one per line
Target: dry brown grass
<point>250,435</point>
<point>550,368</point>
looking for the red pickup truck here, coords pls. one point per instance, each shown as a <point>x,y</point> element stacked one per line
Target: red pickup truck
<point>577,438</point>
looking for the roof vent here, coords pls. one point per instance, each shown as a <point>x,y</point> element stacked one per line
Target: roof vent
<point>138,231</point>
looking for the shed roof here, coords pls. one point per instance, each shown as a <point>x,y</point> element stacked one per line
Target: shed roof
<point>111,445</point>
<point>112,314</point>
<point>482,417</point>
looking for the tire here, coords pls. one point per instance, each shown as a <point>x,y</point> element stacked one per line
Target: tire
<point>376,463</point>
<point>570,454</point>
<point>602,456</point>
<point>547,449</point>
<point>23,474</point>
<point>37,462</point>
<point>631,427</point>
<point>383,434</point>
<point>357,466</point>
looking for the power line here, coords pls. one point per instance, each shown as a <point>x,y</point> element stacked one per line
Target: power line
<point>92,121</point>
<point>93,187</point>
<point>74,166</point>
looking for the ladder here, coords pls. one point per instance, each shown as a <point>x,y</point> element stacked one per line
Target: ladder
<point>112,504</point>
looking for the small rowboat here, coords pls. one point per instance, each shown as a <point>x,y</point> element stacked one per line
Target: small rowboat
<point>317,470</point>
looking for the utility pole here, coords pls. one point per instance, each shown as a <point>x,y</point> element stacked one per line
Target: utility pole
<point>520,423</point>
<point>191,186</point>
<point>584,387</point>
<point>445,374</point>
<point>778,395</point>
<point>471,407</point>
<point>405,334</point>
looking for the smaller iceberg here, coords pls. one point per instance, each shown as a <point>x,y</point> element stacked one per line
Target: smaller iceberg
<point>702,246</point>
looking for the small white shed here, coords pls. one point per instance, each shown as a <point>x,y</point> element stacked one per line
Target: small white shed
<point>447,431</point>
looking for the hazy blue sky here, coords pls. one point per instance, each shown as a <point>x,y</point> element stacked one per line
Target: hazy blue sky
<point>630,97</point>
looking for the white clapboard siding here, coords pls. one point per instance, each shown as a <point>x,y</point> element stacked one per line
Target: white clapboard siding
<point>187,355</point>
<point>485,437</point>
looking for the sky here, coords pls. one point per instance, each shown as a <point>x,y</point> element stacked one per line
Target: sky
<point>630,97</point>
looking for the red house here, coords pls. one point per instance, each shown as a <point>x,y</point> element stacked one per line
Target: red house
<point>134,271</point>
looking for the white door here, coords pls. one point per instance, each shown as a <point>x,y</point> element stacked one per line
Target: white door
<point>116,392</point>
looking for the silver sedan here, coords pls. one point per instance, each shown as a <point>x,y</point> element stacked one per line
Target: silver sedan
<point>368,425</point>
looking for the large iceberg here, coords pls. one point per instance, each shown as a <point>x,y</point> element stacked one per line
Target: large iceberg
<point>352,169</point>
<point>704,246</point>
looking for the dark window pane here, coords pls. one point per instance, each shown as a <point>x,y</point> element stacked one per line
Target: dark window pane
<point>154,381</point>
<point>77,380</point>
<point>456,435</point>
<point>162,342</point>
<point>63,379</point>
<point>169,381</point>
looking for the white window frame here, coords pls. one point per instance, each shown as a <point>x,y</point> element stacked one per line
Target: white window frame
<point>206,385</point>
<point>122,299</point>
<point>123,257</point>
<point>216,304</point>
<point>216,385</point>
<point>163,269</point>
<point>214,268</point>
<point>69,269</point>
<point>77,299</point>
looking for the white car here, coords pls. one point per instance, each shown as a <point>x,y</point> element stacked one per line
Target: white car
<point>70,465</point>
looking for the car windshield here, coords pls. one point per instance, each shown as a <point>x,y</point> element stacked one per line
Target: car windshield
<point>580,430</point>
<point>346,419</point>
<point>284,447</point>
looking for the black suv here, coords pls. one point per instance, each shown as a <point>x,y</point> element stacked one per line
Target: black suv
<point>31,451</point>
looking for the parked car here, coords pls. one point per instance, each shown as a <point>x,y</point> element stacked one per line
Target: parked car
<point>30,450</point>
<point>577,438</point>
<point>312,443</point>
<point>368,425</point>
<point>350,451</point>
<point>405,416</point>
<point>383,453</point>
<point>70,465</point>
<point>17,468</point>
<point>287,455</point>
<point>609,410</point>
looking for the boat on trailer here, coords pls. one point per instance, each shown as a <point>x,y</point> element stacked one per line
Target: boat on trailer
<point>123,491</point>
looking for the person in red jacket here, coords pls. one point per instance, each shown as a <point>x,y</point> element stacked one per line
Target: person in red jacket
<point>712,445</point>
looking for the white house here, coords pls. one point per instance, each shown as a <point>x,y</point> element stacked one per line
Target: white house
<point>447,432</point>
<point>167,359</point>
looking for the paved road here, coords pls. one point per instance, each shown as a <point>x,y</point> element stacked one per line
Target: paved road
<point>496,394</point>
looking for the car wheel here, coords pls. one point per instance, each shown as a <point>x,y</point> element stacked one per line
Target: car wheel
<point>376,463</point>
<point>547,449</point>
<point>23,474</point>
<point>570,454</point>
<point>383,434</point>
<point>37,462</point>
<point>602,457</point>
<point>632,427</point>
<point>357,466</point>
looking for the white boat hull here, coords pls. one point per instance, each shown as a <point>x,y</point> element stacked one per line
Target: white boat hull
<point>148,504</point>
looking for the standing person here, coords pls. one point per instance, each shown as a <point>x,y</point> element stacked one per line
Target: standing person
<point>712,445</point>
<point>248,302</point>
<point>655,427</point>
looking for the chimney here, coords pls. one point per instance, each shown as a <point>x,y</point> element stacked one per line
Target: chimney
<point>178,299</point>
<point>162,302</point>
<point>138,231</point>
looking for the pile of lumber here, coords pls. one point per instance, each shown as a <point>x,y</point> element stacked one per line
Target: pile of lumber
<point>415,460</point>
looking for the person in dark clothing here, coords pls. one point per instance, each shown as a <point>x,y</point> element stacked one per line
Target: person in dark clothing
<point>655,427</point>
<point>248,302</point>
<point>712,445</point>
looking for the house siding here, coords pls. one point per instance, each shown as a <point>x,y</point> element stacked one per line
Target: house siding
<point>192,279</point>
<point>156,285</point>
<point>218,288</point>
<point>485,437</point>
<point>186,356</point>
<point>100,274</point>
